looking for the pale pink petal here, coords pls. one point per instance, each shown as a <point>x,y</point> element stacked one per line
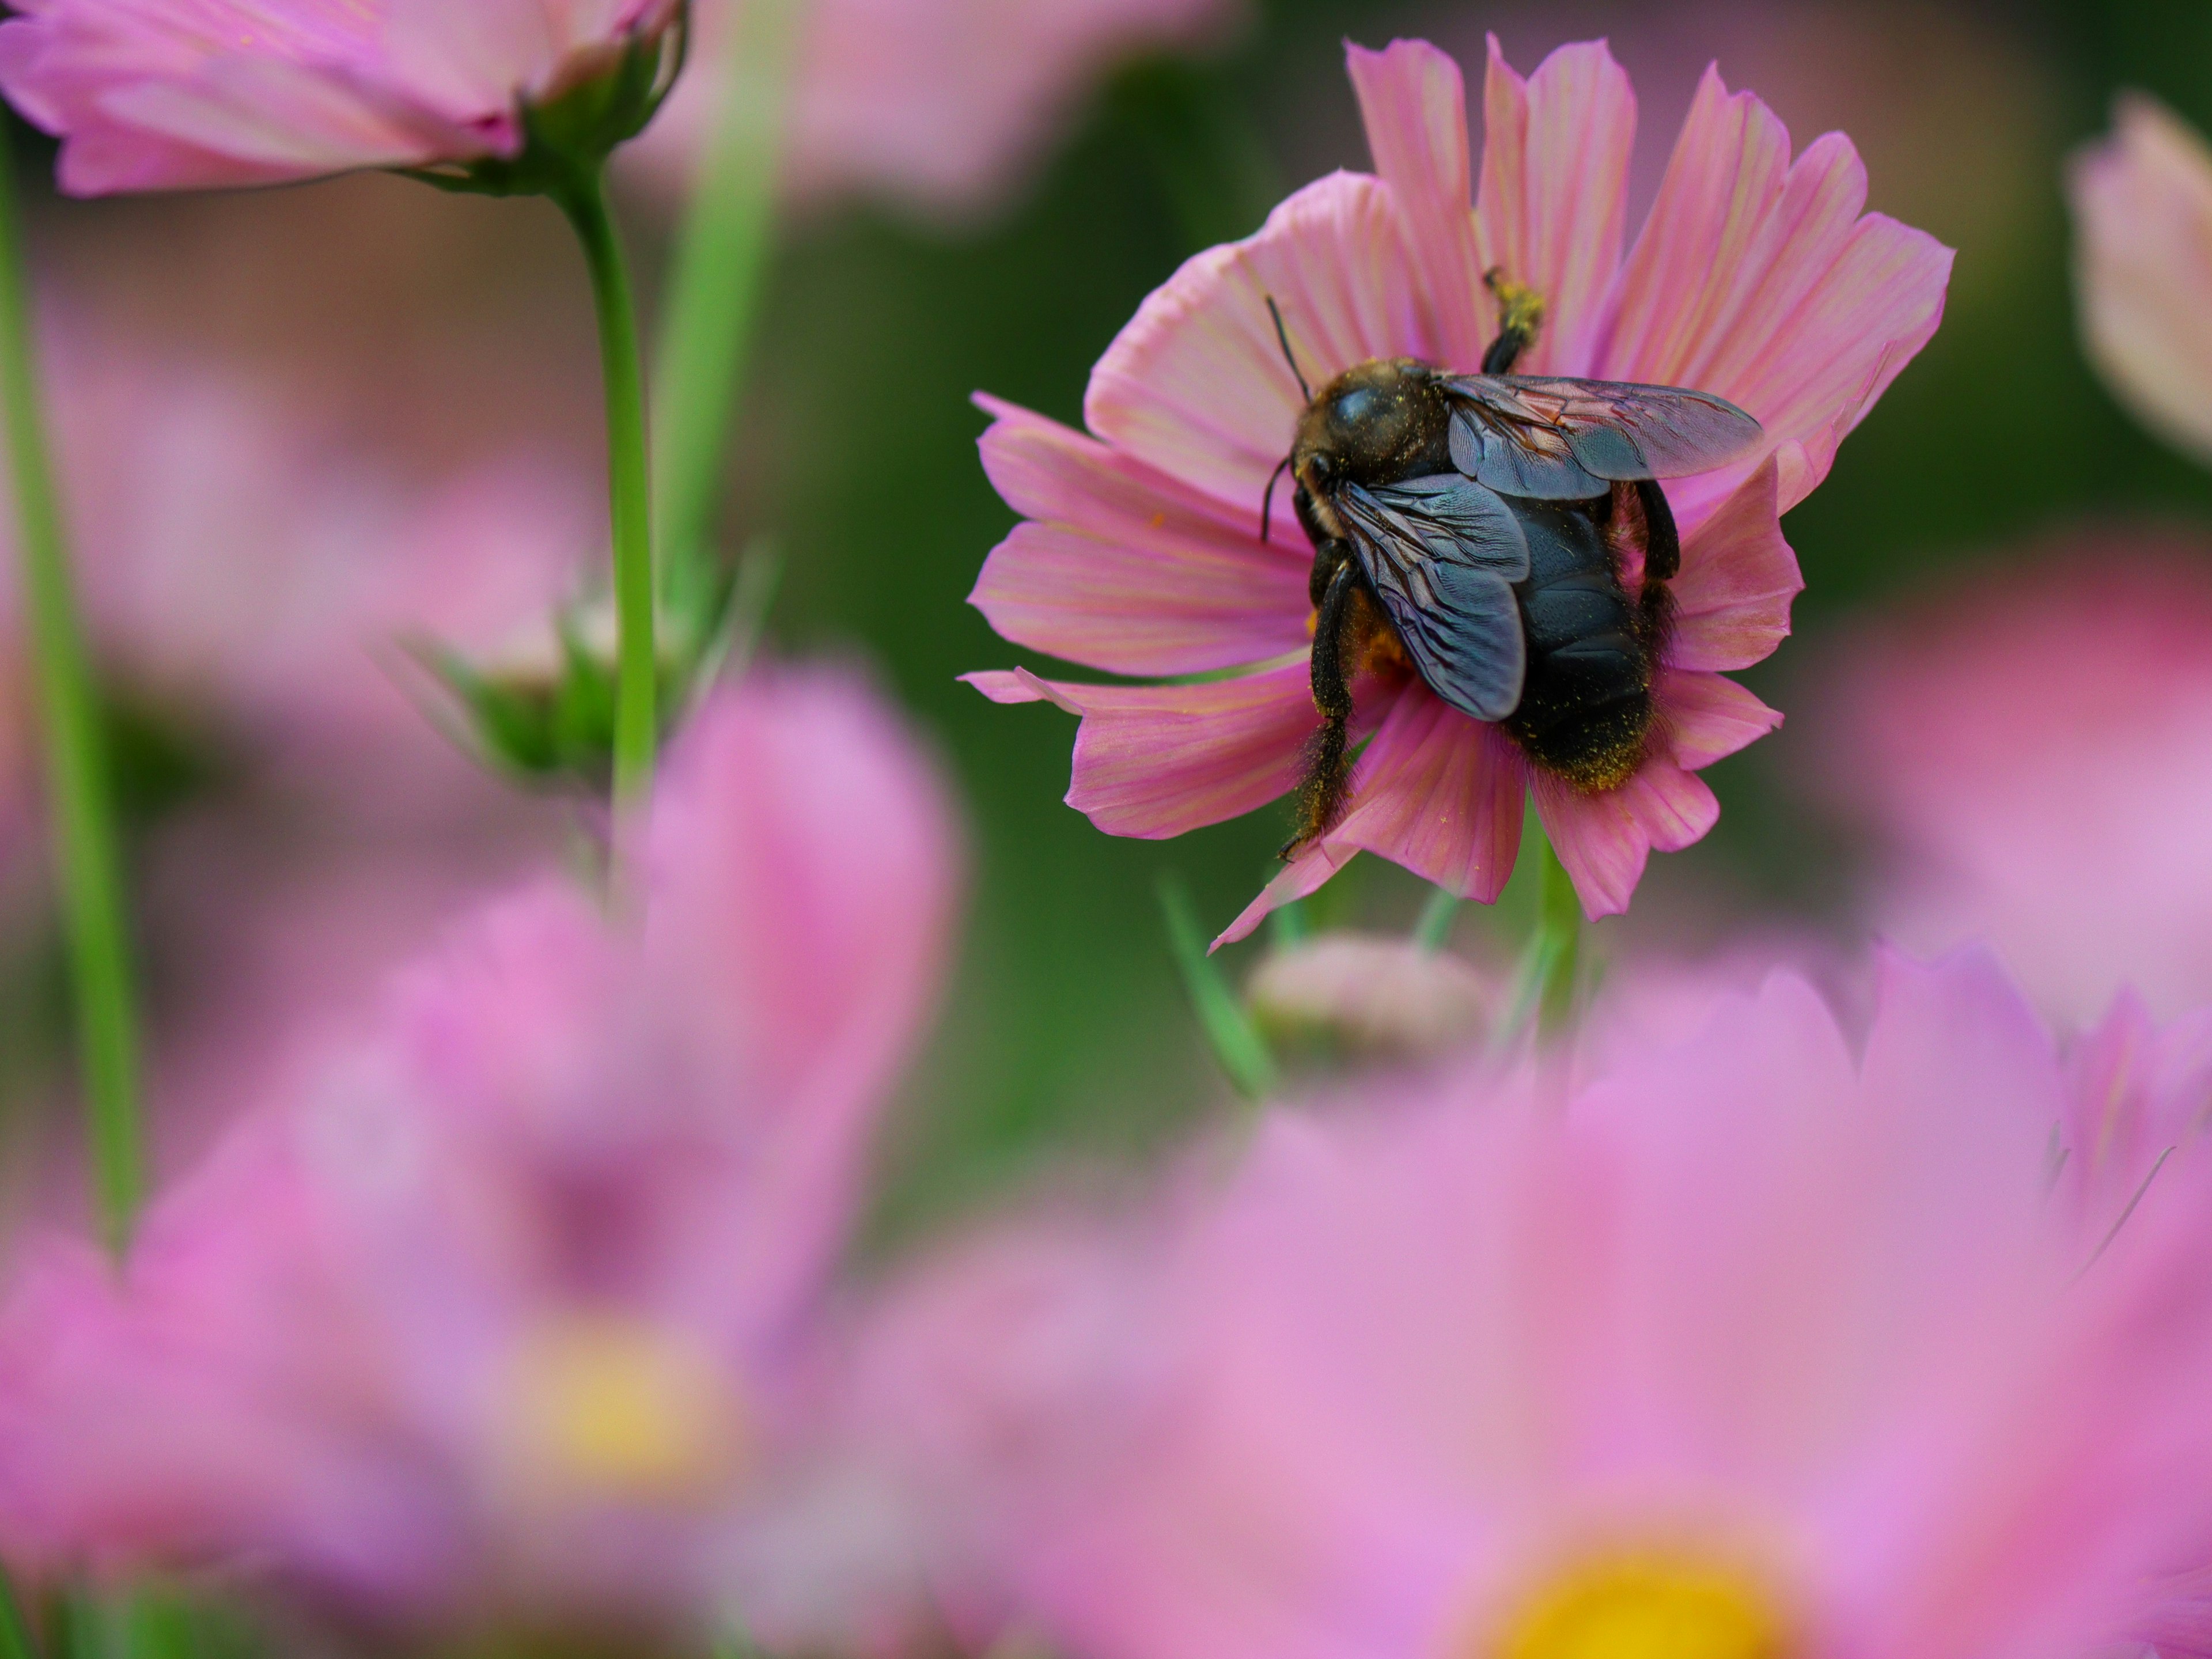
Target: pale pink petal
<point>1738,577</point>
<point>1708,717</point>
<point>1154,761</point>
<point>1196,387</point>
<point>1441,794</point>
<point>1554,192</point>
<point>1759,280</point>
<point>1414,104</point>
<point>1123,569</point>
<point>1603,840</point>
<point>2143,210</point>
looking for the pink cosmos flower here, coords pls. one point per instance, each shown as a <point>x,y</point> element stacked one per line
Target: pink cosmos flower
<point>190,94</point>
<point>508,1309</point>
<point>2033,756</point>
<point>2142,268</point>
<point>1756,1347</point>
<point>940,104</point>
<point>1756,278</point>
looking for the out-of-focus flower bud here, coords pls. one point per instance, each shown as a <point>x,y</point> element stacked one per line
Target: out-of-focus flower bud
<point>1369,995</point>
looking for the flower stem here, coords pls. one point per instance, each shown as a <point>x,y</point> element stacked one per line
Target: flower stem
<point>1556,948</point>
<point>15,1641</point>
<point>1238,1047</point>
<point>1437,915</point>
<point>719,270</point>
<point>637,661</point>
<point>79,788</point>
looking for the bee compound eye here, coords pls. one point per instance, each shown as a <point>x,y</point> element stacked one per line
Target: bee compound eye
<point>1322,468</point>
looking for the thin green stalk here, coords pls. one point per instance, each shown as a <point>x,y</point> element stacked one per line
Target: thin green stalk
<point>1237,1044</point>
<point>1558,944</point>
<point>719,270</point>
<point>88,866</point>
<point>16,1642</point>
<point>636,658</point>
<point>1437,915</point>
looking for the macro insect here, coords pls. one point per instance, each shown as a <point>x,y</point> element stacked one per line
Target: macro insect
<point>1483,530</point>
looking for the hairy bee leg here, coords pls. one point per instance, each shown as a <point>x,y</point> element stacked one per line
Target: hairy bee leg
<point>1321,793</point>
<point>1663,542</point>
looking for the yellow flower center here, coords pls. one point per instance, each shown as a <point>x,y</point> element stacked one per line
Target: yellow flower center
<point>1645,1606</point>
<point>627,1407</point>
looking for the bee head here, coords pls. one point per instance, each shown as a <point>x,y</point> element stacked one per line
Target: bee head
<point>1367,421</point>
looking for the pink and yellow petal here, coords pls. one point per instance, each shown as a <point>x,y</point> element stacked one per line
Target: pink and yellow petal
<point>1553,200</point>
<point>1605,840</point>
<point>1414,102</point>
<point>1760,279</point>
<point>1155,761</point>
<point>1124,570</point>
<point>1196,387</point>
<point>1733,594</point>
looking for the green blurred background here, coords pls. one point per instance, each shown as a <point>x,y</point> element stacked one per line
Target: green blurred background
<point>445,329</point>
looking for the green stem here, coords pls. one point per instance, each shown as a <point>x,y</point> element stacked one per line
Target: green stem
<point>16,1642</point>
<point>636,661</point>
<point>719,270</point>
<point>1557,943</point>
<point>1437,915</point>
<point>89,865</point>
<point>1237,1044</point>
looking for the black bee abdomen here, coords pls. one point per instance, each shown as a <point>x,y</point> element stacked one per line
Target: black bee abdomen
<point>1585,706</point>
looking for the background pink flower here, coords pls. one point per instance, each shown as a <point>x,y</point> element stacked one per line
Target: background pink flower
<point>2031,747</point>
<point>1771,1347</point>
<point>509,1308</point>
<point>943,105</point>
<point>2142,267</point>
<point>297,825</point>
<point>187,95</point>
<point>1756,277</point>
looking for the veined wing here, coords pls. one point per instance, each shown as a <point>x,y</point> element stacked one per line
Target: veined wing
<point>1443,554</point>
<point>1559,440</point>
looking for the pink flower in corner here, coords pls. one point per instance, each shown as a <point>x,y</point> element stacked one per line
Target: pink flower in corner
<point>189,95</point>
<point>1770,1343</point>
<point>514,1306</point>
<point>1756,278</point>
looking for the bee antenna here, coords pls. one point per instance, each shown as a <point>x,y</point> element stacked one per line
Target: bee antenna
<point>1282,336</point>
<point>1267,501</point>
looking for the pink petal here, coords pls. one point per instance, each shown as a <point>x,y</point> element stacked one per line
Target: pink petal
<point>1738,576</point>
<point>1435,791</point>
<point>2142,211</point>
<point>1709,717</point>
<point>1553,201</point>
<point>1306,875</point>
<point>1197,386</point>
<point>1441,794</point>
<point>1155,761</point>
<point>1604,839</point>
<point>1414,104</point>
<point>1759,280</point>
<point>1126,570</point>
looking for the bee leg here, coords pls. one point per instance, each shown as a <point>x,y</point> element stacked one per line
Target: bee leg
<point>1520,317</point>
<point>1662,543</point>
<point>1320,794</point>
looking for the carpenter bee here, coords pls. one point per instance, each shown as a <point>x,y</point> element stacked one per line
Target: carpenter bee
<point>1484,531</point>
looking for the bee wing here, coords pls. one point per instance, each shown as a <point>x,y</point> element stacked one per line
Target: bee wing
<point>1443,554</point>
<point>1564,440</point>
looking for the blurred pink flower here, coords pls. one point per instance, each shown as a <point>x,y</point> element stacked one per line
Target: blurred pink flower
<point>509,1311</point>
<point>940,104</point>
<point>1755,277</point>
<point>1755,1347</point>
<point>2032,750</point>
<point>190,94</point>
<point>2142,268</point>
<point>248,584</point>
